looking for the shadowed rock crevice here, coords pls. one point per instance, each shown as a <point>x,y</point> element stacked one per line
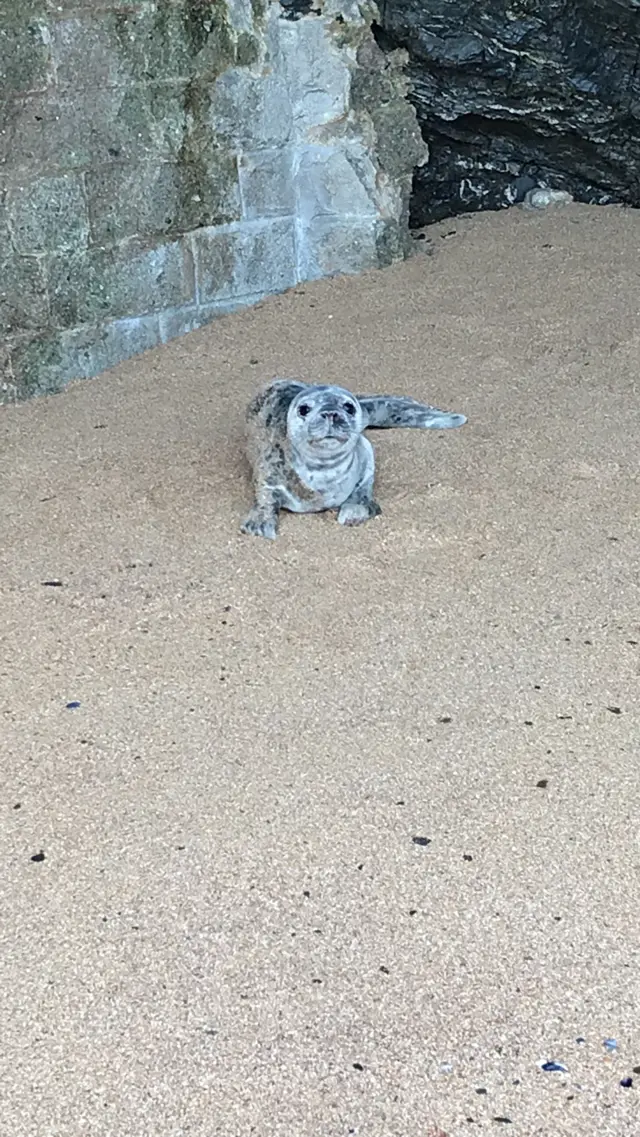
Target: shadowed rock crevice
<point>514,94</point>
<point>294,9</point>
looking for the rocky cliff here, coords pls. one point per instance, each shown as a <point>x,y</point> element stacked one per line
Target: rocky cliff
<point>512,94</point>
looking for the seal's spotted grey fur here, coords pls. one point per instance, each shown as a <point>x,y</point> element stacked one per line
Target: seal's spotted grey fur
<point>308,452</point>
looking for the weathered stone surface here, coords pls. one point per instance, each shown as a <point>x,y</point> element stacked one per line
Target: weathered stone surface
<point>23,293</point>
<point>255,137</point>
<point>379,87</point>
<point>47,214</point>
<point>510,95</point>
<point>25,57</point>
<point>60,8</point>
<point>248,259</point>
<point>42,134</point>
<point>46,364</point>
<point>267,183</point>
<point>266,120</point>
<point>182,320</point>
<point>159,42</point>
<point>125,200</point>
<point>88,288</point>
<point>208,168</point>
<point>318,75</point>
<point>153,199</point>
<point>150,122</point>
<point>18,13</point>
<point>176,322</point>
<point>392,240</point>
<point>241,15</point>
<point>333,245</point>
<point>87,51</point>
<point>335,180</point>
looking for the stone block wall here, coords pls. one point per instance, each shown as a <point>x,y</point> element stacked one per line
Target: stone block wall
<point>164,161</point>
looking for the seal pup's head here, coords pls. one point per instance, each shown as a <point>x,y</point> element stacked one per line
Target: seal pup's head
<point>324,423</point>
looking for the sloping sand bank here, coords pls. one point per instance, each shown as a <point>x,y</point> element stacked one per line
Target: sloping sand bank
<point>233,931</point>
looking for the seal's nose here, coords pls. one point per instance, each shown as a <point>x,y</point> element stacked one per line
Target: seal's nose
<point>332,416</point>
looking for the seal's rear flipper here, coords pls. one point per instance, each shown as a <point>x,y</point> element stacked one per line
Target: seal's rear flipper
<point>382,412</point>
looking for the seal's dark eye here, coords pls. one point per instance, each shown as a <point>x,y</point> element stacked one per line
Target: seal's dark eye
<point>349,408</point>
<point>303,410</point>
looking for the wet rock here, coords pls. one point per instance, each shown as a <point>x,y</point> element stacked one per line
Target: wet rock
<point>515,96</point>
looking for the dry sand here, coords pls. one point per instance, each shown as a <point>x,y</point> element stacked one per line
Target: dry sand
<point>233,931</point>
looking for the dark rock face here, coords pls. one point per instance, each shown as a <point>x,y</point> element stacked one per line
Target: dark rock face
<point>295,9</point>
<point>510,95</point>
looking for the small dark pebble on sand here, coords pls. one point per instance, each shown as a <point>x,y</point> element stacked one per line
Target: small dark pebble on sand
<point>481,1090</point>
<point>504,1120</point>
<point>52,584</point>
<point>38,856</point>
<point>358,1066</point>
<point>542,784</point>
<point>553,1068</point>
<point>73,705</point>
<point>614,710</point>
<point>467,857</point>
<point>421,840</point>
<point>626,1083</point>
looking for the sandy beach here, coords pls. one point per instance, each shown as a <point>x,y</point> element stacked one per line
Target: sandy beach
<point>337,834</point>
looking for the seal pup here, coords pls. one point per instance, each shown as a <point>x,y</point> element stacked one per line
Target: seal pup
<point>308,453</point>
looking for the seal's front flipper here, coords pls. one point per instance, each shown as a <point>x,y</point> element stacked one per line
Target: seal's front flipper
<point>359,506</point>
<point>261,522</point>
<point>356,513</point>
<point>383,412</point>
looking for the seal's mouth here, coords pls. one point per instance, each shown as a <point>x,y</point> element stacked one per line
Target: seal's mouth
<point>330,441</point>
<point>332,430</point>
